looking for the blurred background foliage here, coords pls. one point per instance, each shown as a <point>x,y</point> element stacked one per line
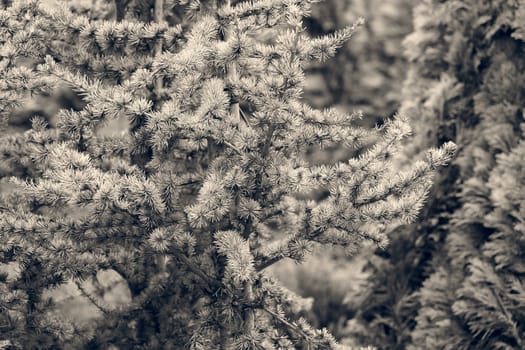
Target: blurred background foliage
<point>456,69</point>
<point>368,72</point>
<point>455,280</point>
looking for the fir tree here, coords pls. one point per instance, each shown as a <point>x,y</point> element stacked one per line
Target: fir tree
<point>464,279</point>
<point>198,196</point>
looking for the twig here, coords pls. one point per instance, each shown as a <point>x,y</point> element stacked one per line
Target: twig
<point>244,117</point>
<point>211,283</point>
<point>281,255</point>
<point>191,182</point>
<point>249,313</point>
<point>269,262</point>
<point>258,179</point>
<point>233,147</point>
<point>91,299</point>
<point>159,18</point>
<point>288,324</point>
<point>268,141</point>
<point>211,149</point>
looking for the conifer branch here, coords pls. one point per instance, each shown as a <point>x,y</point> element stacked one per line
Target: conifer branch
<point>244,117</point>
<point>262,9</point>
<point>234,108</point>
<point>294,328</point>
<point>269,262</point>
<point>134,35</point>
<point>238,151</point>
<point>515,332</point>
<point>211,284</point>
<point>268,141</point>
<point>284,253</point>
<point>312,236</point>
<point>157,89</point>
<point>249,313</point>
<point>159,18</point>
<point>224,335</point>
<point>249,316</point>
<point>91,299</point>
<point>264,153</point>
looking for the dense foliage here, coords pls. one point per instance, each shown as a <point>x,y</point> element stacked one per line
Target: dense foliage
<point>461,285</point>
<point>200,194</point>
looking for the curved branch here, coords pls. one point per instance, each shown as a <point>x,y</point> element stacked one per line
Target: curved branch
<point>84,293</point>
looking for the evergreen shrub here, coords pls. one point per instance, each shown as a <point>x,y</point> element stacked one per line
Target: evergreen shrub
<point>202,191</point>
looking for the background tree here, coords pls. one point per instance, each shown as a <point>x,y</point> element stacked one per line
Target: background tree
<point>461,284</point>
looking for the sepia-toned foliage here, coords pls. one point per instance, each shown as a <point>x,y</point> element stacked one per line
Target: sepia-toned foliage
<point>461,285</point>
<point>199,194</point>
